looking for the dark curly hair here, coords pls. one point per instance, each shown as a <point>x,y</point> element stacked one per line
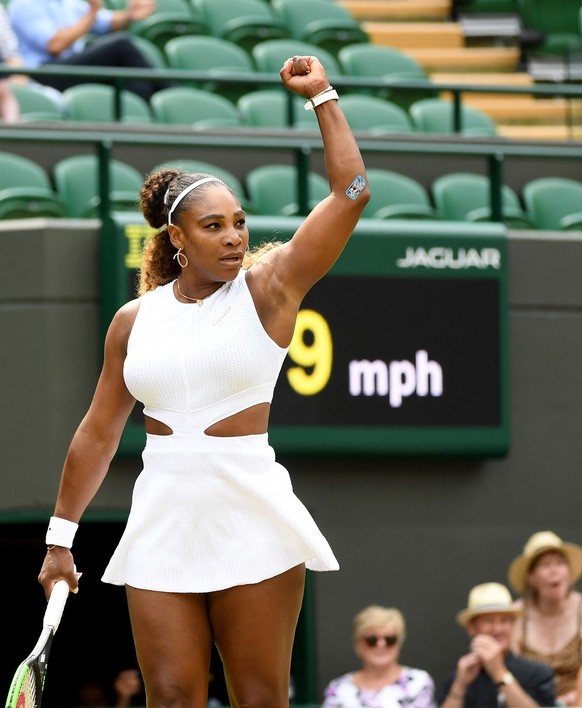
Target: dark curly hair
<point>158,264</point>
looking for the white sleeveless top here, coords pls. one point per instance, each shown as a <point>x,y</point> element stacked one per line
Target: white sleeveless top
<point>192,365</point>
<point>208,512</point>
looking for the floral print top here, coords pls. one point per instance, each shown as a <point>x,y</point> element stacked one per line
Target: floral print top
<point>413,689</point>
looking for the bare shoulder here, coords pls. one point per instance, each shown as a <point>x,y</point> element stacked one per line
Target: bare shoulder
<point>122,321</point>
<point>276,303</point>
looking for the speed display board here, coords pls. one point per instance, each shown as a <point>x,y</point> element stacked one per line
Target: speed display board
<point>401,349</point>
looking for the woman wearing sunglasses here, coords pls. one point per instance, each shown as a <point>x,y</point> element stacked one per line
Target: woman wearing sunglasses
<point>382,682</point>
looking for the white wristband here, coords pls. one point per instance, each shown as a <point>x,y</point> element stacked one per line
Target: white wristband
<point>328,94</point>
<point>61,532</point>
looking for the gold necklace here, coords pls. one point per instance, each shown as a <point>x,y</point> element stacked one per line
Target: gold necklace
<point>198,301</point>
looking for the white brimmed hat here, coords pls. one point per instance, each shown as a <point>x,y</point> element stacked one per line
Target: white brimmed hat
<point>542,542</point>
<point>486,598</point>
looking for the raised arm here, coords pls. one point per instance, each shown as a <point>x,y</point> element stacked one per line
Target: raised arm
<point>319,241</point>
<point>292,269</point>
<point>93,445</point>
<point>64,37</point>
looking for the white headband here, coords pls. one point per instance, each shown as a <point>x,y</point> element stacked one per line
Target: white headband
<point>186,191</point>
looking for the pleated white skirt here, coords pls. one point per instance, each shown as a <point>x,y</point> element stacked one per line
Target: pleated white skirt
<point>210,513</point>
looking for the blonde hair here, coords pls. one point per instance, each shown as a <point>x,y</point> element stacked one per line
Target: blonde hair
<point>377,616</point>
<point>254,254</point>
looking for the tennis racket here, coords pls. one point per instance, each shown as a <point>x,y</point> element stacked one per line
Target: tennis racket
<point>28,682</point>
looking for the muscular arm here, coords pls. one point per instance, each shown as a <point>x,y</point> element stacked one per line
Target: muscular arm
<point>288,272</point>
<point>94,443</point>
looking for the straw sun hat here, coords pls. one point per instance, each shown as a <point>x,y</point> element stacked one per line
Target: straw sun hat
<point>540,543</point>
<point>485,598</point>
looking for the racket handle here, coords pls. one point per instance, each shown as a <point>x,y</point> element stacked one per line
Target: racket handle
<point>56,604</point>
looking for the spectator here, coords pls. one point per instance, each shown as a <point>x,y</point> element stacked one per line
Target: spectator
<point>127,690</point>
<point>551,628</point>
<point>9,55</point>
<point>489,674</point>
<point>128,686</point>
<point>55,32</point>
<point>382,682</point>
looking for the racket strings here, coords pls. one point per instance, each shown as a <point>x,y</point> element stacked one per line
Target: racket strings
<point>26,688</point>
<point>27,695</point>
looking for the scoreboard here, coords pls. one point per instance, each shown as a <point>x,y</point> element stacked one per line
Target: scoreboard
<point>402,349</point>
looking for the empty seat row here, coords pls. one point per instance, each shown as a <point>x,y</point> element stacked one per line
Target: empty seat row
<point>215,56</point>
<point>452,197</point>
<point>218,56</point>
<point>548,203</point>
<point>362,61</point>
<point>267,108</point>
<point>247,22</point>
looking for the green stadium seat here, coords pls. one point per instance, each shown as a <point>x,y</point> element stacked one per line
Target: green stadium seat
<point>463,196</point>
<point>268,108</point>
<point>77,183</point>
<point>38,102</point>
<point>435,115</point>
<point>374,61</point>
<point>375,115</point>
<point>214,56</point>
<point>95,103</point>
<point>151,51</point>
<point>193,106</point>
<point>272,189</point>
<point>25,190</point>
<point>554,203</point>
<point>320,22</point>
<point>244,22</point>
<point>396,196</point>
<point>270,56</point>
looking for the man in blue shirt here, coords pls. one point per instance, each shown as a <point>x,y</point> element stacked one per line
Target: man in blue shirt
<point>55,31</point>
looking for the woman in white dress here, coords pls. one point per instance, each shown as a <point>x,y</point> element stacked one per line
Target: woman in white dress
<point>216,543</point>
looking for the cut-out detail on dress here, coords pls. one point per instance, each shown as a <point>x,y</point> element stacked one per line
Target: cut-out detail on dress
<point>250,421</point>
<point>156,427</point>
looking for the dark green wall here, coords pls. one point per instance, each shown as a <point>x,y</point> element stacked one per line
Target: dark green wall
<point>413,533</point>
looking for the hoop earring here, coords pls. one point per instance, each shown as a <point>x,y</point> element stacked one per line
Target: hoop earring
<point>182,258</point>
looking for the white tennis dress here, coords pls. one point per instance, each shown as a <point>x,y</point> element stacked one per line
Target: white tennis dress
<point>208,512</point>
